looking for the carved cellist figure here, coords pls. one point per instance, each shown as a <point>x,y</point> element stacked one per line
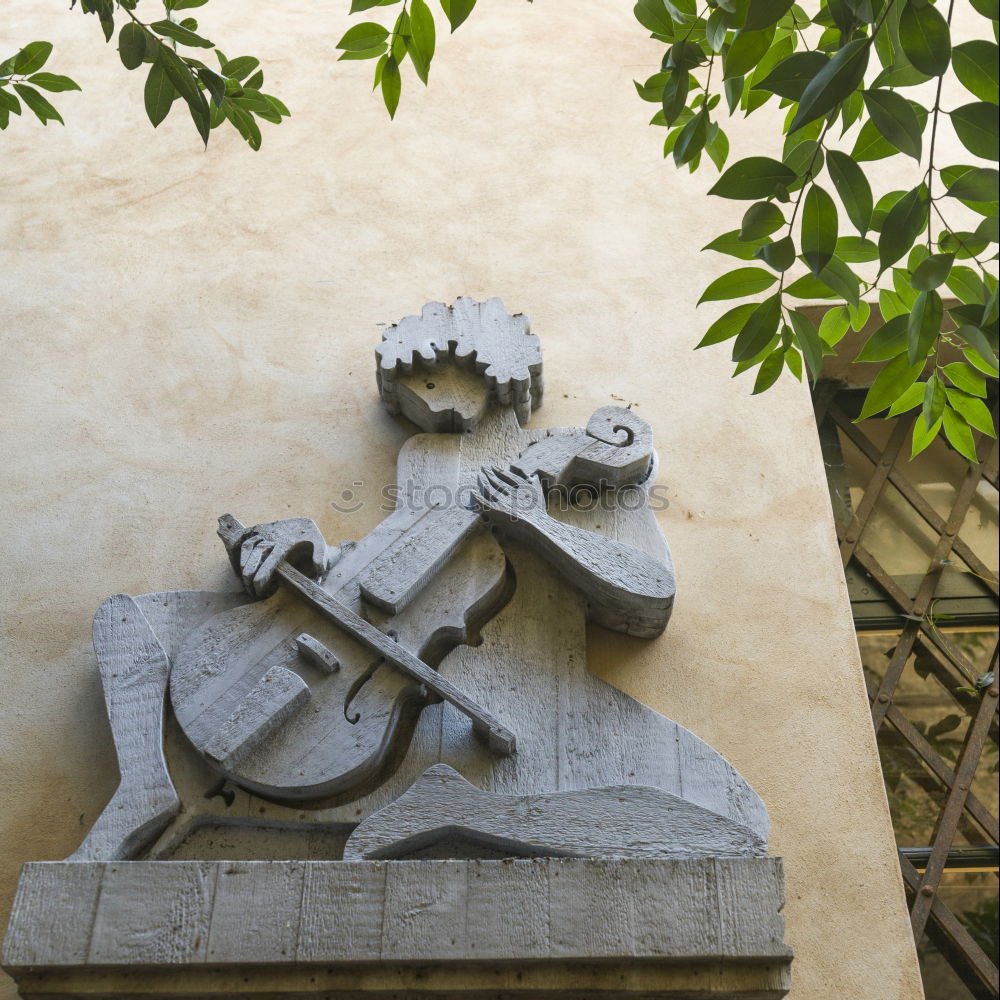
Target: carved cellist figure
<point>429,682</point>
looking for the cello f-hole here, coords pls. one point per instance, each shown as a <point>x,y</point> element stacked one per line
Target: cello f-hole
<point>352,692</point>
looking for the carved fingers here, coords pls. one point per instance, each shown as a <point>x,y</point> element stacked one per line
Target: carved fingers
<point>507,495</point>
<point>297,540</point>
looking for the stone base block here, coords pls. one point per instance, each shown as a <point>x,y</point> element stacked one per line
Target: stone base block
<point>546,927</point>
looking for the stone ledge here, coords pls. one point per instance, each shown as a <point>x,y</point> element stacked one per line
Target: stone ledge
<point>516,928</point>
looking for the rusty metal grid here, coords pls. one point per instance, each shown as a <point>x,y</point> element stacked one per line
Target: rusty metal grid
<point>962,811</point>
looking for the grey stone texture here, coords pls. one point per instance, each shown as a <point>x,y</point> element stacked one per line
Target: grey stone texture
<point>520,928</point>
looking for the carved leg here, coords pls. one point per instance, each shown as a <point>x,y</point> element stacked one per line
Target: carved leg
<point>617,821</point>
<point>134,670</point>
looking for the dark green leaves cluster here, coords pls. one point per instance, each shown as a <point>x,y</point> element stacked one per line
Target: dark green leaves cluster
<point>229,93</point>
<point>814,229</point>
<point>20,80</point>
<point>413,36</point>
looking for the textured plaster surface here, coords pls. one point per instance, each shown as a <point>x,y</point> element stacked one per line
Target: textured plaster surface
<point>192,332</point>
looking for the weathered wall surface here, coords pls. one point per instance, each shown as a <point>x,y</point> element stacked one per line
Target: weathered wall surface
<point>192,332</point>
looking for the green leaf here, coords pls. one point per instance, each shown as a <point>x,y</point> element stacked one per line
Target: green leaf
<point>853,188</point>
<point>186,85</point>
<point>834,325</point>
<point>769,371</point>
<point>956,430</point>
<point>691,140</point>
<point>651,14</point>
<point>240,67</point>
<point>980,364</point>
<point>988,8</point>
<point>758,330</point>
<point>890,383</point>
<point>841,76</point>
<point>366,54</point>
<point>171,30</point>
<point>652,89</point>
<point>924,326</point>
<point>728,325</point>
<point>925,39</point>
<point>904,223</point>
<point>52,82</point>
<point>973,411</point>
<point>734,91</point>
<point>764,13</point>
<point>358,6</point>
<point>715,29</point>
<point>214,84</point>
<point>808,287</point>
<point>717,146</point>
<point>855,250</point>
<point>361,37</point>
<point>976,126</point>
<point>973,314</point>
<point>890,305</point>
<point>913,396</point>
<point>752,178</point>
<point>819,229</point>
<point>977,184</point>
<point>244,124</point>
<point>132,45</point>
<point>422,37</point>
<point>966,285</point>
<point>870,145</point>
<point>933,401</point>
<point>975,65</point>
<point>860,314</point>
<point>931,272</point>
<point>391,85</point>
<point>736,284</point>
<point>839,277</point>
<point>922,436</point>
<point>675,94</point>
<point>9,103</point>
<point>683,55</point>
<point>731,245</point>
<point>31,58</point>
<point>962,244</point>
<point>159,93</point>
<point>966,378</point>
<point>44,111</point>
<point>900,74</point>
<point>805,158</point>
<point>807,338</point>
<point>746,51</point>
<point>979,347</point>
<point>761,219</point>
<point>888,341</point>
<point>895,119</point>
<point>989,230</point>
<point>779,255</point>
<point>792,75</point>
<point>793,361</point>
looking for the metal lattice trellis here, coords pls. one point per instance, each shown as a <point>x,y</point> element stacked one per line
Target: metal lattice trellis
<point>917,634</point>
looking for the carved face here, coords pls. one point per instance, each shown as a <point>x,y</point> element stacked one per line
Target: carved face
<point>443,397</point>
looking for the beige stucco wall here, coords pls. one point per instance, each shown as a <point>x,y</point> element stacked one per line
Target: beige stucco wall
<point>189,332</point>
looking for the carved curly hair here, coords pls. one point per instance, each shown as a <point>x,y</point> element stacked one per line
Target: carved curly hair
<point>481,336</point>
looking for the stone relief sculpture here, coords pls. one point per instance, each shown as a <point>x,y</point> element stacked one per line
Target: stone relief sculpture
<point>482,814</point>
<point>428,682</point>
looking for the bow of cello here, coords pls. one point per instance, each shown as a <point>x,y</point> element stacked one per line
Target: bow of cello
<point>283,702</point>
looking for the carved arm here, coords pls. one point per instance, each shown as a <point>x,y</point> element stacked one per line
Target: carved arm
<point>628,589</point>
